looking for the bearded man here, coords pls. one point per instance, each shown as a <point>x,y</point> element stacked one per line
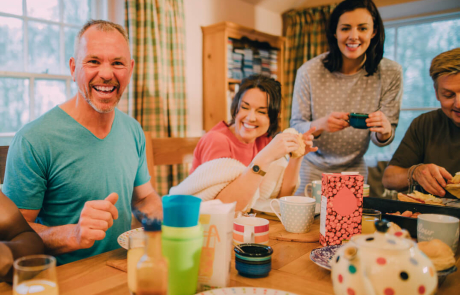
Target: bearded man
<point>76,172</point>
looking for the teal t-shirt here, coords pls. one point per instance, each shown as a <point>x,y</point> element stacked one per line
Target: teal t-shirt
<point>54,164</point>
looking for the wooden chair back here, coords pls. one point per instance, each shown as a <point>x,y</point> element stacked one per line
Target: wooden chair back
<point>3,153</point>
<point>168,151</point>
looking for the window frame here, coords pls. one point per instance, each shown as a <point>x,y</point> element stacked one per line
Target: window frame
<point>396,24</point>
<point>99,9</point>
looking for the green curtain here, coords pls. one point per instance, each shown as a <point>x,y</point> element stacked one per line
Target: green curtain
<point>305,33</point>
<point>157,95</point>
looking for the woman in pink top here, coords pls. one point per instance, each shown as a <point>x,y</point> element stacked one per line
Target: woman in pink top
<point>248,138</point>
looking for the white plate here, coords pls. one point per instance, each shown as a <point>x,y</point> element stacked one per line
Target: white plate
<point>244,290</point>
<point>123,239</point>
<point>322,256</point>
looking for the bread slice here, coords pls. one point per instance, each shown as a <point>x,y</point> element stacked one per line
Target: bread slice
<point>418,197</point>
<point>455,179</point>
<point>301,150</point>
<point>439,253</point>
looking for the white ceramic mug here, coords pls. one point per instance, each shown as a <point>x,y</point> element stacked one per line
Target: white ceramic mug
<point>250,230</point>
<point>438,226</point>
<point>313,190</point>
<point>297,213</point>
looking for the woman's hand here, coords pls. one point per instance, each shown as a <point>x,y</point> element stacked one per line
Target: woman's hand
<point>281,145</point>
<point>333,122</point>
<point>308,140</point>
<point>379,123</point>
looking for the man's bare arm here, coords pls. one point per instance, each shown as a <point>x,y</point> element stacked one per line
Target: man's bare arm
<point>57,239</point>
<point>395,178</point>
<point>430,176</point>
<point>146,200</point>
<point>95,219</point>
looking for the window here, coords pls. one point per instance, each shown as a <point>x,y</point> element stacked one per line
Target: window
<point>36,41</point>
<point>413,44</point>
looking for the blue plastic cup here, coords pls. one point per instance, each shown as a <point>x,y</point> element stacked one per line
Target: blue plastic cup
<point>181,210</point>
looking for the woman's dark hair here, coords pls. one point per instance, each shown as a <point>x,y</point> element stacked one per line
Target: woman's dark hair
<point>264,84</point>
<point>333,61</point>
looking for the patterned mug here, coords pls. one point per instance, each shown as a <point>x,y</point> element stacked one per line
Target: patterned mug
<point>297,213</point>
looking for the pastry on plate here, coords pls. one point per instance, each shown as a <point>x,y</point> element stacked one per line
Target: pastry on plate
<point>439,253</point>
<point>418,197</point>
<point>301,150</point>
<point>453,186</point>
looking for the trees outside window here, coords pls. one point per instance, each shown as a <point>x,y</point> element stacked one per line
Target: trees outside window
<point>413,44</point>
<point>36,42</point>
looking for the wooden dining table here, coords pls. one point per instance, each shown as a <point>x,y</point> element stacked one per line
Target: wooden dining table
<point>292,271</point>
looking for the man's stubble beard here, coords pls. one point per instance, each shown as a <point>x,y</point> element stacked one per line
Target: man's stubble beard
<point>87,98</point>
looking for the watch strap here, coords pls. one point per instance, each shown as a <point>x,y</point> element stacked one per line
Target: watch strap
<point>257,170</point>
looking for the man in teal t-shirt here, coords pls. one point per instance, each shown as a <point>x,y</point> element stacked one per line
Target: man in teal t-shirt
<point>76,171</point>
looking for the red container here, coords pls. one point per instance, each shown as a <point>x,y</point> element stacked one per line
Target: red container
<point>341,207</point>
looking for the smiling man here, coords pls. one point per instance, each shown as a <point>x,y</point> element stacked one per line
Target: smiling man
<point>429,152</point>
<point>76,171</point>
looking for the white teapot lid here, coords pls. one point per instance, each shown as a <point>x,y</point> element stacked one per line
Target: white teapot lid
<point>381,239</point>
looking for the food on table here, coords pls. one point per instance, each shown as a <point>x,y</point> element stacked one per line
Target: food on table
<point>455,179</point>
<point>406,213</point>
<point>439,253</point>
<point>301,150</point>
<point>418,197</point>
<point>396,230</point>
<point>453,185</point>
<point>393,228</point>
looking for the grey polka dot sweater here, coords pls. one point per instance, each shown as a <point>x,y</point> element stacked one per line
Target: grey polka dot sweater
<point>318,92</point>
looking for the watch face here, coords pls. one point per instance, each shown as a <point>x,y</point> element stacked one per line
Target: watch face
<point>255,168</point>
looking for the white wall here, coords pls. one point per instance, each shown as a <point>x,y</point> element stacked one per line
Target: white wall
<point>200,13</point>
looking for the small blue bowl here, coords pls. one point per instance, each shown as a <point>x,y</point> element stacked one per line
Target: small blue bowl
<point>358,120</point>
<point>255,261</point>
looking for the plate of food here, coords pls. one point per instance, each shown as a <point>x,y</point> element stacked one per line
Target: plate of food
<point>322,256</point>
<point>441,255</point>
<point>123,239</point>
<point>418,197</point>
<point>244,290</point>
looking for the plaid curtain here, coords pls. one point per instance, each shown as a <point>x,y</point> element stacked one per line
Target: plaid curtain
<point>305,32</point>
<point>156,95</point>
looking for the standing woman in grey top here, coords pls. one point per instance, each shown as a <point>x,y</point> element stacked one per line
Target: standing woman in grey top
<point>352,77</point>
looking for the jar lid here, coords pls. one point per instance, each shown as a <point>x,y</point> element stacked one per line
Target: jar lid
<point>253,250</point>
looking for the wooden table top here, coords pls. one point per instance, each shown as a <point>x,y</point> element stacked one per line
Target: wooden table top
<point>292,271</point>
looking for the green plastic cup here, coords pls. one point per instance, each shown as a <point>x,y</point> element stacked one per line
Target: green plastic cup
<point>182,247</point>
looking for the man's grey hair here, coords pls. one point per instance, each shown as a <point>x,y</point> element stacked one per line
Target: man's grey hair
<point>101,25</point>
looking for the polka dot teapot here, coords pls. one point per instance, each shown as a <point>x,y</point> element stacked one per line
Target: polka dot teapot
<point>382,264</point>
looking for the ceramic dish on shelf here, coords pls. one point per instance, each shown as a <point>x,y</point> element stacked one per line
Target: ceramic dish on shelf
<point>244,290</point>
<point>123,239</point>
<point>321,256</point>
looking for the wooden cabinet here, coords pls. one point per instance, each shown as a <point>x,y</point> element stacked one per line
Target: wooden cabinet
<point>215,79</point>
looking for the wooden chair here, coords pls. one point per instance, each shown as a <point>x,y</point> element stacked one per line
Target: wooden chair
<point>3,153</point>
<point>168,151</point>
